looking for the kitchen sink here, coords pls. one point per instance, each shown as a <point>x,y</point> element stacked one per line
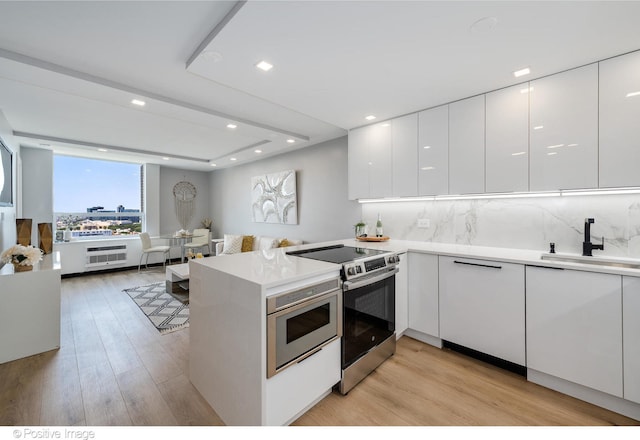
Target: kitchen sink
<point>627,263</point>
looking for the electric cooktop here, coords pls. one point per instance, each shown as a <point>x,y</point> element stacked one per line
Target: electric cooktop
<point>338,254</point>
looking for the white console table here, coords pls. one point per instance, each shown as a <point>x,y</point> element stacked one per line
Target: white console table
<point>31,324</point>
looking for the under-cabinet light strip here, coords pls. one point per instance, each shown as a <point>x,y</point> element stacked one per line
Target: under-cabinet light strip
<point>599,192</point>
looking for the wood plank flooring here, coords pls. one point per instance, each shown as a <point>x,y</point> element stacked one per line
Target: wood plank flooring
<point>114,369</point>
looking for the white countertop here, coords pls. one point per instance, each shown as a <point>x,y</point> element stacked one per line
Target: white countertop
<point>273,267</point>
<point>268,268</point>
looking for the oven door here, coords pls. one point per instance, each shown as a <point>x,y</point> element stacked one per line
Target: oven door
<point>300,331</point>
<point>368,314</point>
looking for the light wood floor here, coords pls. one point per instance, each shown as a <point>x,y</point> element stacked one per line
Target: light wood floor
<point>114,368</point>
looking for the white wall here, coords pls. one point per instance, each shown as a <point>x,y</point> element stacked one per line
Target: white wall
<point>37,188</point>
<point>525,223</point>
<point>8,213</point>
<point>324,212</point>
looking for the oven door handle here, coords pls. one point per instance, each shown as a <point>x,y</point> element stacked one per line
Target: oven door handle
<point>351,285</point>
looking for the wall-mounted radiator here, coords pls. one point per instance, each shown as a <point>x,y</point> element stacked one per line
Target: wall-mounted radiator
<point>106,255</point>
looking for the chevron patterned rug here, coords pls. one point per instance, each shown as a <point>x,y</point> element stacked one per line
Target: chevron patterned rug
<point>165,312</point>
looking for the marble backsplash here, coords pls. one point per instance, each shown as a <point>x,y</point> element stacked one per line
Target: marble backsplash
<point>521,223</point>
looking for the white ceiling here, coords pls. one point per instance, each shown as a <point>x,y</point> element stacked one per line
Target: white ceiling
<point>68,70</point>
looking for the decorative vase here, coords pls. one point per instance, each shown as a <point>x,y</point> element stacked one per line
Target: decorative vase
<point>23,231</point>
<point>20,268</point>
<point>46,237</point>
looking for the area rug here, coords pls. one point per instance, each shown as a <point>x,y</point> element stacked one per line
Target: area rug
<point>165,312</point>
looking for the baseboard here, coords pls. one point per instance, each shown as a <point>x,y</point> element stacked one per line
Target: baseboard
<point>595,397</point>
<point>423,337</point>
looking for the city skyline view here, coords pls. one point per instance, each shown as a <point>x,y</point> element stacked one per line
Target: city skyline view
<point>80,183</point>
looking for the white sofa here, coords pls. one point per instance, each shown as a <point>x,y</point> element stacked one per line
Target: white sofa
<point>260,242</point>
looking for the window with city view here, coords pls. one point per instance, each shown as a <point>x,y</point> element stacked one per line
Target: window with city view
<point>96,198</point>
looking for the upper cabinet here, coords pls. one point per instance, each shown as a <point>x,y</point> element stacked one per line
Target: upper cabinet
<point>433,151</point>
<point>404,142</point>
<point>466,146</point>
<point>382,159</point>
<point>619,116</point>
<point>507,139</point>
<point>564,130</point>
<point>370,161</point>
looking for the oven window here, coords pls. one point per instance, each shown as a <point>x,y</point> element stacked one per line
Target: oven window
<point>307,322</point>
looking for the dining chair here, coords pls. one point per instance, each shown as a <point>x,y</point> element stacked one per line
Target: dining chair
<point>200,240</point>
<point>147,249</point>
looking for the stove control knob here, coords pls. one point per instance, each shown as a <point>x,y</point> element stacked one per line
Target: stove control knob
<point>359,269</point>
<point>351,271</point>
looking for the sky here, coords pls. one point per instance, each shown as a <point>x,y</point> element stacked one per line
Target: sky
<point>80,183</point>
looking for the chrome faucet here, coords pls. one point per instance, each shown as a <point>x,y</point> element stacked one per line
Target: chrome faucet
<point>587,246</point>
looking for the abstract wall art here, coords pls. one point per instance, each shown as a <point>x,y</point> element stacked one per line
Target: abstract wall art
<point>274,198</point>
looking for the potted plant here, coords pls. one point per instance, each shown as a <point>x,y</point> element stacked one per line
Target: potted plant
<point>361,229</point>
<point>22,257</point>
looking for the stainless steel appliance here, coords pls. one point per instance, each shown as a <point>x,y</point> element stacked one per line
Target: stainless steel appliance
<point>301,322</point>
<point>368,300</point>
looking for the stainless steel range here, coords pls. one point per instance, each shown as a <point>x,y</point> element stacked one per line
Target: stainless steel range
<point>368,299</point>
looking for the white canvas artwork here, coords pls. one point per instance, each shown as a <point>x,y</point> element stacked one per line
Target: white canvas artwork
<point>274,198</point>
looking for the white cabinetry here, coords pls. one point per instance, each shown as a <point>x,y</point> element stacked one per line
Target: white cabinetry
<point>31,302</point>
<point>619,116</point>
<point>358,163</point>
<point>404,146</point>
<point>466,146</point>
<point>482,306</point>
<point>631,337</point>
<point>402,296</point>
<point>574,327</point>
<point>423,293</point>
<point>507,142</point>
<point>564,130</point>
<point>433,151</point>
<point>382,159</point>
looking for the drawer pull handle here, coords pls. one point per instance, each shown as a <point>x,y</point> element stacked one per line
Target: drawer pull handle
<point>477,264</point>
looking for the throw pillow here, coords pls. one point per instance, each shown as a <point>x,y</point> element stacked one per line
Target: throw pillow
<point>267,243</point>
<point>232,244</point>
<point>284,243</point>
<point>247,243</point>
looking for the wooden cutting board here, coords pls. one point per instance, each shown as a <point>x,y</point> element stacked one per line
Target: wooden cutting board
<point>383,238</point>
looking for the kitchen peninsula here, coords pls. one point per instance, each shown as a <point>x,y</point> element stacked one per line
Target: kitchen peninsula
<point>228,358</point>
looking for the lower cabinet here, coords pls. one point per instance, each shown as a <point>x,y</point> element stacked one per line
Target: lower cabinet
<point>631,337</point>
<point>574,327</point>
<point>482,306</point>
<point>402,296</point>
<point>423,293</point>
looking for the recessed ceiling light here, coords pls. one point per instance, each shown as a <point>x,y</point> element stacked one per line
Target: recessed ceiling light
<point>538,127</point>
<point>290,141</point>
<point>214,165</point>
<point>555,146</point>
<point>553,153</point>
<point>572,145</point>
<point>522,72</point>
<point>386,124</point>
<point>138,102</point>
<point>233,159</point>
<point>165,158</point>
<point>428,168</point>
<point>370,117</point>
<point>263,65</point>
<point>104,150</point>
<point>232,126</point>
<point>630,94</point>
<point>519,153</point>
<point>426,147</point>
<point>257,151</point>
